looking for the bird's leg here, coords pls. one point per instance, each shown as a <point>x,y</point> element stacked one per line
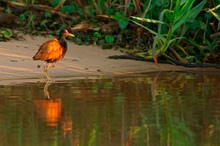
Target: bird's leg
<point>46,89</point>
<point>45,71</point>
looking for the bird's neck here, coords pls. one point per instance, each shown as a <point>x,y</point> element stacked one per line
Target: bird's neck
<point>61,40</point>
<point>63,44</point>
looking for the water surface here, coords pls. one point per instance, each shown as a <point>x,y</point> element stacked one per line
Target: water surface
<point>167,108</point>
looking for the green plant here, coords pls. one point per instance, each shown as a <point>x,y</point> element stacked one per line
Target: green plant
<point>6,34</point>
<point>181,14</point>
<point>28,19</point>
<point>148,29</point>
<point>96,37</point>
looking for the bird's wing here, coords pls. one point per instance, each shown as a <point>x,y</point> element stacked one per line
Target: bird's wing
<point>50,50</point>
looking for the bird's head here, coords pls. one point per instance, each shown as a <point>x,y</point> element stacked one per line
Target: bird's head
<point>64,33</point>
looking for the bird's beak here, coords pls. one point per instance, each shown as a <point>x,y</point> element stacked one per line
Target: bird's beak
<point>72,35</point>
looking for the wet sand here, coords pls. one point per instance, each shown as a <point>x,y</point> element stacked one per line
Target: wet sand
<point>16,62</point>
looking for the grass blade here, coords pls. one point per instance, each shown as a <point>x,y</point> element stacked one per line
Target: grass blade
<point>176,10</point>
<point>216,15</point>
<point>149,20</point>
<point>187,6</point>
<point>150,30</point>
<point>189,15</point>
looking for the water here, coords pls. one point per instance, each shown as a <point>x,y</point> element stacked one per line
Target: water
<point>181,109</point>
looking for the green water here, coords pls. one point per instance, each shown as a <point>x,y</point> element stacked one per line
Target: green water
<point>178,109</point>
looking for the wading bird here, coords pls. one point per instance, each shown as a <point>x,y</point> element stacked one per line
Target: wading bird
<point>53,50</point>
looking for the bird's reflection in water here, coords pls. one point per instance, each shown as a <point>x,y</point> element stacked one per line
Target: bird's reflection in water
<point>49,110</point>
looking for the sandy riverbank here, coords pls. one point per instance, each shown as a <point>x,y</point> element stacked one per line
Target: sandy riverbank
<point>16,62</point>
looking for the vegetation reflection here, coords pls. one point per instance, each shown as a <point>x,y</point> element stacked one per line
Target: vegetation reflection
<point>162,109</point>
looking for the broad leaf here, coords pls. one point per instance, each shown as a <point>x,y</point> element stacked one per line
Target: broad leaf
<point>109,38</point>
<point>122,21</point>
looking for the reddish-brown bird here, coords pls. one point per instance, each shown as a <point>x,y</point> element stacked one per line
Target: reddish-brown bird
<point>53,50</point>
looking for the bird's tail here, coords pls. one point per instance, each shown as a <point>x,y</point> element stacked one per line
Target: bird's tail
<point>37,56</point>
<point>34,58</point>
